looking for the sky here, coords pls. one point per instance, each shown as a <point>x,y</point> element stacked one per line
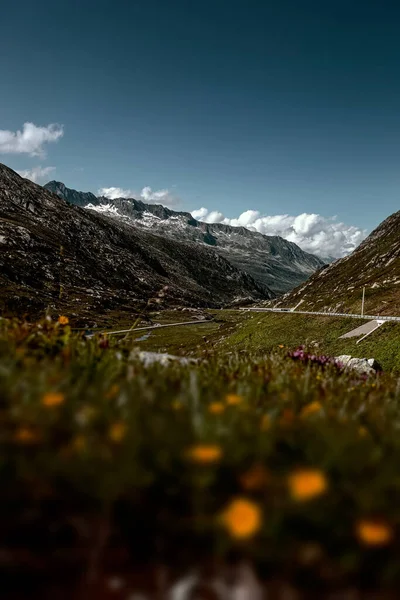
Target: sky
<point>282,116</point>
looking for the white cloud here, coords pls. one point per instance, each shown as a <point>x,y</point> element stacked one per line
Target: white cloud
<point>36,173</point>
<point>200,214</point>
<point>164,197</point>
<point>324,236</point>
<point>115,192</point>
<point>30,140</point>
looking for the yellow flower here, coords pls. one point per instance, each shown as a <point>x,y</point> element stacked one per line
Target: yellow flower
<point>374,533</point>
<point>255,478</point>
<point>233,399</point>
<point>311,409</point>
<point>53,399</point>
<point>242,518</point>
<point>177,405</point>
<point>287,417</point>
<point>117,432</point>
<point>112,392</point>
<point>306,484</point>
<point>26,435</point>
<point>63,320</point>
<point>205,453</point>
<point>216,408</point>
<point>265,423</point>
<point>281,346</point>
<point>79,443</point>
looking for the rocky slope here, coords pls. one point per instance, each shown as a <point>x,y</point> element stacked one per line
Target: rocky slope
<point>375,264</point>
<point>270,260</point>
<point>100,263</point>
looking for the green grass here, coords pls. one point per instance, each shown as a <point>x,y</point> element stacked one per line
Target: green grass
<point>104,467</point>
<point>260,332</point>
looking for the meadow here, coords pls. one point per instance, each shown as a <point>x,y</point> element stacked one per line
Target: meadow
<point>112,470</point>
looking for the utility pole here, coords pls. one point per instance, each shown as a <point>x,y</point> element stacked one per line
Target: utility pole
<point>362,304</point>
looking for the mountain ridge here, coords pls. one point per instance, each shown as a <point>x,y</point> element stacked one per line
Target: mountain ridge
<point>271,260</point>
<point>50,248</point>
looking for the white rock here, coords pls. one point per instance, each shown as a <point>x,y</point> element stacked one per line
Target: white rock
<point>151,358</point>
<point>362,365</point>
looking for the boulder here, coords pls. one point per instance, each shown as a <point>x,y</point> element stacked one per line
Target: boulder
<point>151,358</point>
<point>363,365</point>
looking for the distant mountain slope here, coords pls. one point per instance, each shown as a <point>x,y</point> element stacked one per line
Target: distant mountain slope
<point>374,264</point>
<point>105,262</point>
<point>270,260</point>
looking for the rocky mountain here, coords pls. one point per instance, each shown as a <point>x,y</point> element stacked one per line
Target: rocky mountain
<point>375,264</point>
<point>51,249</point>
<point>270,260</point>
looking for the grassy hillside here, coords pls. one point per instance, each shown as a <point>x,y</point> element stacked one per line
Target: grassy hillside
<point>261,332</point>
<point>110,470</point>
<point>374,264</point>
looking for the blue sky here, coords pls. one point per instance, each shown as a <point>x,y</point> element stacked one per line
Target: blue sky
<point>280,107</point>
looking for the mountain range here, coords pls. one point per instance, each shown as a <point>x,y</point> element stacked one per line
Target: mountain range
<point>270,260</point>
<point>57,255</point>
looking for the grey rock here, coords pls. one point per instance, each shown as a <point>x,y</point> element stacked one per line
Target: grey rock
<point>151,358</point>
<point>362,365</point>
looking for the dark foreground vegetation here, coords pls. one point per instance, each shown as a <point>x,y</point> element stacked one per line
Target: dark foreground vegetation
<point>118,478</point>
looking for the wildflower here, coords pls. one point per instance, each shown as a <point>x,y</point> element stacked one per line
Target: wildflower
<point>112,392</point>
<point>205,453</point>
<point>117,432</point>
<point>52,399</point>
<point>306,484</point>
<point>26,435</point>
<point>242,518</point>
<point>79,443</point>
<point>233,399</point>
<point>177,405</point>
<point>311,409</point>
<point>216,408</point>
<point>265,422</point>
<point>63,320</point>
<point>255,478</point>
<point>374,533</point>
<point>281,346</point>
<point>287,417</point>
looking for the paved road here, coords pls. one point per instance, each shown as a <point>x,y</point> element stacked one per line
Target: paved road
<point>323,314</point>
<point>135,329</point>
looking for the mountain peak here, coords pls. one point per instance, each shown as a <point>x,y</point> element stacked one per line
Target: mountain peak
<point>271,260</point>
<point>105,265</point>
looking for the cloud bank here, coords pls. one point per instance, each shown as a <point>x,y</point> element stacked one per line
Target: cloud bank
<point>30,140</point>
<point>164,197</point>
<point>37,174</point>
<point>314,233</point>
<point>115,192</point>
